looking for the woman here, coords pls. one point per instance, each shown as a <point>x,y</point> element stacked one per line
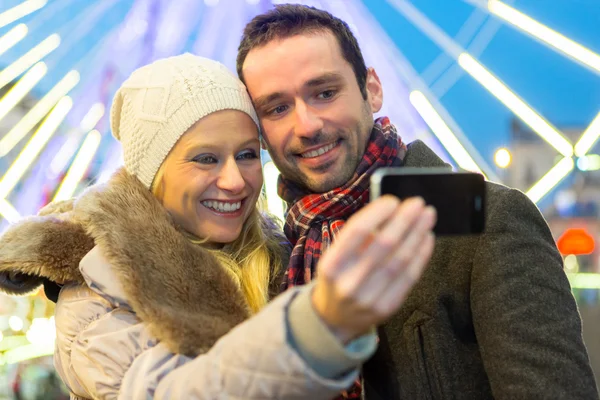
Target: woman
<point>168,268</point>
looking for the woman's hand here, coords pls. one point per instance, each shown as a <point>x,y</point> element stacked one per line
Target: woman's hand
<point>370,269</point>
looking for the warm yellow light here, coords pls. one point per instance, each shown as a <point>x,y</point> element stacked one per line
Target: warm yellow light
<point>443,132</point>
<point>37,142</point>
<point>571,264</point>
<point>274,202</point>
<point>12,342</point>
<point>545,34</point>
<point>502,158</point>
<point>79,166</point>
<point>42,332</point>
<point>589,137</point>
<point>34,55</point>
<point>19,11</point>
<point>516,105</point>
<point>92,117</point>
<point>27,352</point>
<point>21,88</point>
<point>37,112</point>
<point>584,280</point>
<point>15,323</point>
<point>12,37</point>
<point>8,211</point>
<point>551,179</point>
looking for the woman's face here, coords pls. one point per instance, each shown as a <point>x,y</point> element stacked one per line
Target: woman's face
<point>212,177</point>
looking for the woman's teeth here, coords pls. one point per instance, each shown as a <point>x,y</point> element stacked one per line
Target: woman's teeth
<point>222,207</point>
<point>318,152</point>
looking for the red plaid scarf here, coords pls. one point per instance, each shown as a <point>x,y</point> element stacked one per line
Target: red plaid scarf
<point>314,220</point>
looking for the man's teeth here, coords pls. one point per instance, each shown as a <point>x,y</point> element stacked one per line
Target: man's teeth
<point>318,152</point>
<point>222,207</point>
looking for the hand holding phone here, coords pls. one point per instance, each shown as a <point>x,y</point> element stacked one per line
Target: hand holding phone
<point>369,270</point>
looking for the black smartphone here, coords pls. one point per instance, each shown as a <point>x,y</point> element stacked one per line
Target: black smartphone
<point>458,197</point>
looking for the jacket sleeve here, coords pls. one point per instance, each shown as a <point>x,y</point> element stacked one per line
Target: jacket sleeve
<point>104,351</point>
<point>525,317</point>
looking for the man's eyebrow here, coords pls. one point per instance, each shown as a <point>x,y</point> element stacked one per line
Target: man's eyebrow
<point>328,77</point>
<point>262,101</point>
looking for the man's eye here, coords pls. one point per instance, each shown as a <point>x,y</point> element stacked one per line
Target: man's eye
<point>327,94</point>
<point>278,110</point>
<point>205,159</point>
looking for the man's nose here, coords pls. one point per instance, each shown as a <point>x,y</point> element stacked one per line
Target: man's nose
<point>307,122</point>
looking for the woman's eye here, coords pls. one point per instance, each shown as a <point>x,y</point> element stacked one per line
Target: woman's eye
<point>205,159</point>
<point>247,155</point>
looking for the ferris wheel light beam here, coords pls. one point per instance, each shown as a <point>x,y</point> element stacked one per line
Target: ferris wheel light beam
<point>37,112</point>
<point>92,117</point>
<point>21,10</point>
<point>476,47</point>
<point>404,69</point>
<point>430,29</point>
<point>541,32</point>
<point>35,145</point>
<point>79,166</point>
<point>589,138</point>
<point>551,179</point>
<point>34,55</point>
<point>8,211</point>
<point>66,151</point>
<point>21,88</point>
<point>516,104</point>
<point>490,82</point>
<point>443,132</point>
<point>12,37</point>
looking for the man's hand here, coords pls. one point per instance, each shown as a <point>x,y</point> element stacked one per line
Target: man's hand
<point>368,272</point>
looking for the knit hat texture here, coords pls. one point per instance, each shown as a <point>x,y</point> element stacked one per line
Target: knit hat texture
<point>159,102</point>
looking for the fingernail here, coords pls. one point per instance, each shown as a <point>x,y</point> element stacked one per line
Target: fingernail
<point>429,216</point>
<point>418,201</point>
<point>431,210</point>
<point>390,198</point>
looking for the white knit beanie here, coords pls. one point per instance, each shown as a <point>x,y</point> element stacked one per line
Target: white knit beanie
<point>161,101</point>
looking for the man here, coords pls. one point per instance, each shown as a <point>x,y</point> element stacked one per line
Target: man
<point>493,315</point>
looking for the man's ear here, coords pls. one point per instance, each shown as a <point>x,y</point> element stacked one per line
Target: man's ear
<point>374,90</point>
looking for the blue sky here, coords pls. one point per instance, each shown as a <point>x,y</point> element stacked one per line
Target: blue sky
<point>562,91</point>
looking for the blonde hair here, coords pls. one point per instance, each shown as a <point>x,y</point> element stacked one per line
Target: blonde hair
<point>254,259</point>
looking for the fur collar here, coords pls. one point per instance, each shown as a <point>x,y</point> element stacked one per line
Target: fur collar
<point>177,288</point>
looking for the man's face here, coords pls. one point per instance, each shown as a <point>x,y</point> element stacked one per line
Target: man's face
<point>316,123</point>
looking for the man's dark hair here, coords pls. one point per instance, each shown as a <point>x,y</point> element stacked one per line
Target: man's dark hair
<point>287,20</point>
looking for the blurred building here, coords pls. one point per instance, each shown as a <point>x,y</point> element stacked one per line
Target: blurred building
<point>572,207</point>
<point>572,211</point>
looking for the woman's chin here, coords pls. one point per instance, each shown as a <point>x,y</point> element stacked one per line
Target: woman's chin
<point>219,235</point>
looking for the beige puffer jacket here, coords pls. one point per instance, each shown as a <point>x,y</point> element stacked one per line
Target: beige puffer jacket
<point>105,352</point>
<point>147,314</point>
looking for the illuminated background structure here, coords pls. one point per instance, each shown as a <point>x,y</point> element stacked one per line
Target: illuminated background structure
<point>507,88</point>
